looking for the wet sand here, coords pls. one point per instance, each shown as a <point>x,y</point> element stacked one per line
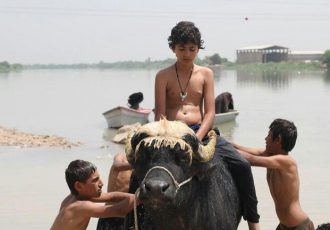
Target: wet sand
<point>13,137</point>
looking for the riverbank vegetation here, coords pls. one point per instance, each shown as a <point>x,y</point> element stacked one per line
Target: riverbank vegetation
<point>5,67</point>
<point>213,61</point>
<point>326,59</point>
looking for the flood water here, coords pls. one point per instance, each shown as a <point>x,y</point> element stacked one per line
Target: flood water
<point>70,103</point>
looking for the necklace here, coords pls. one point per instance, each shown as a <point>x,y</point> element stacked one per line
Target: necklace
<point>183,93</point>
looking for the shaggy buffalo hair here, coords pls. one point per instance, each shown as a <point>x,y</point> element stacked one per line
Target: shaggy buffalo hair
<point>208,201</point>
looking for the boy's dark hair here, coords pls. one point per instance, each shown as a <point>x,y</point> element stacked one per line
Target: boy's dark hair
<point>323,227</point>
<point>135,99</point>
<point>288,132</point>
<point>183,33</point>
<point>78,170</point>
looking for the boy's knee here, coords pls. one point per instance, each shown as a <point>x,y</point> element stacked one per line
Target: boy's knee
<point>120,157</point>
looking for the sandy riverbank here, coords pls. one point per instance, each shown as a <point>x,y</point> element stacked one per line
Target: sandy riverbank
<point>13,137</point>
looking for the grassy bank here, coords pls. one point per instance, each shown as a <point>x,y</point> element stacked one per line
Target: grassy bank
<point>281,66</point>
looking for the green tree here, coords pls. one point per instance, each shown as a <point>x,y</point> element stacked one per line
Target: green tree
<point>326,58</point>
<point>4,67</point>
<point>215,59</point>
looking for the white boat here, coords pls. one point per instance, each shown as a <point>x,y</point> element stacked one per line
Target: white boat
<point>225,117</point>
<point>120,116</point>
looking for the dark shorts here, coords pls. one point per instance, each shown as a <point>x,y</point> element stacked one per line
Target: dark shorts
<point>306,225</point>
<point>112,223</point>
<point>240,170</point>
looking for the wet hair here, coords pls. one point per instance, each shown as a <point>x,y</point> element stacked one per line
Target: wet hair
<point>78,170</point>
<point>286,130</point>
<point>323,226</point>
<point>183,33</point>
<point>135,99</point>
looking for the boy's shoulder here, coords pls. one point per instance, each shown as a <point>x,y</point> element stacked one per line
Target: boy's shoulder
<point>72,203</point>
<point>203,68</point>
<point>166,70</point>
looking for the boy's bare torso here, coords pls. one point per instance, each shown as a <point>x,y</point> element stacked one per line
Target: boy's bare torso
<point>68,217</point>
<point>189,110</point>
<point>284,188</point>
<point>119,180</point>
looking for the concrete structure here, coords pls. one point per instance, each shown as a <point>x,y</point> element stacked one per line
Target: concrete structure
<point>305,56</point>
<point>262,54</point>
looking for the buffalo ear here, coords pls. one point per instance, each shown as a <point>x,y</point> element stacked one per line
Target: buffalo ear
<point>137,138</point>
<point>192,141</point>
<point>132,142</point>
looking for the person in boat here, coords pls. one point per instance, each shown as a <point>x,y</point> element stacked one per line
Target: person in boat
<point>224,103</point>
<point>184,91</point>
<point>82,203</point>
<point>134,100</point>
<point>282,173</point>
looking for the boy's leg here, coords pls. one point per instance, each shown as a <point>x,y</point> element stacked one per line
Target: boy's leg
<point>118,180</point>
<point>240,170</point>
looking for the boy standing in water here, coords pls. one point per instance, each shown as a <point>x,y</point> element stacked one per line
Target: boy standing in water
<point>85,185</point>
<point>282,174</point>
<point>185,92</point>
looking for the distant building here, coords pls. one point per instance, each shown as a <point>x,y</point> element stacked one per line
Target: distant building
<point>305,56</point>
<point>262,54</point>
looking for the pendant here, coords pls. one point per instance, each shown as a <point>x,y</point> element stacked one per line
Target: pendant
<point>183,95</point>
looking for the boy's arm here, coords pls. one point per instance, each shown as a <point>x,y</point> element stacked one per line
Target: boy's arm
<point>253,151</point>
<point>117,209</point>
<point>209,104</point>
<point>271,162</point>
<point>110,197</point>
<point>160,97</point>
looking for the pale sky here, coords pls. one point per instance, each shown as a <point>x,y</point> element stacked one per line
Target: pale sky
<point>89,31</point>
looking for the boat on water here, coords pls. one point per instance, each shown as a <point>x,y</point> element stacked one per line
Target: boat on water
<point>225,117</point>
<point>120,116</point>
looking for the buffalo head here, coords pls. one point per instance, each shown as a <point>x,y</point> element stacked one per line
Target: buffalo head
<point>162,154</point>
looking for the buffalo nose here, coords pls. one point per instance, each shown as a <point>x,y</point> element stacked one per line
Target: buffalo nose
<point>156,187</point>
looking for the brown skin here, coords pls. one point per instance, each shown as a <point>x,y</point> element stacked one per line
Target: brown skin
<point>198,107</point>
<point>282,178</point>
<point>120,174</point>
<point>76,211</point>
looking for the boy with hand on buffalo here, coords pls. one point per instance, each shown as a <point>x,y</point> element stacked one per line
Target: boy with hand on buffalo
<point>185,92</point>
<point>86,185</point>
<point>282,173</point>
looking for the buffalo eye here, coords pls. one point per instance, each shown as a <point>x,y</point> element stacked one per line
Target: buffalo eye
<point>181,156</point>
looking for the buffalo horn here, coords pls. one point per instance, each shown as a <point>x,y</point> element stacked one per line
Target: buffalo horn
<point>128,148</point>
<point>206,152</point>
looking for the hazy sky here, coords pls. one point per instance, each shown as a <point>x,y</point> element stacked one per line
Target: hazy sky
<point>89,31</point>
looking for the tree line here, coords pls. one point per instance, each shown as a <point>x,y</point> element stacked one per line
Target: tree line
<point>5,67</point>
<point>213,60</point>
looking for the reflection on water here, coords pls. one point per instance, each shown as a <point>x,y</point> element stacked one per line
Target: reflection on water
<point>227,130</point>
<point>327,76</point>
<point>270,79</point>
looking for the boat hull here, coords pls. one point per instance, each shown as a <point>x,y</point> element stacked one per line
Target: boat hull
<point>120,116</point>
<point>225,117</point>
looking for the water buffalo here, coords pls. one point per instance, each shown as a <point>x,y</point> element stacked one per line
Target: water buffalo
<point>182,184</point>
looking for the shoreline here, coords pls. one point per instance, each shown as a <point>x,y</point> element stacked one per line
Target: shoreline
<point>14,137</point>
